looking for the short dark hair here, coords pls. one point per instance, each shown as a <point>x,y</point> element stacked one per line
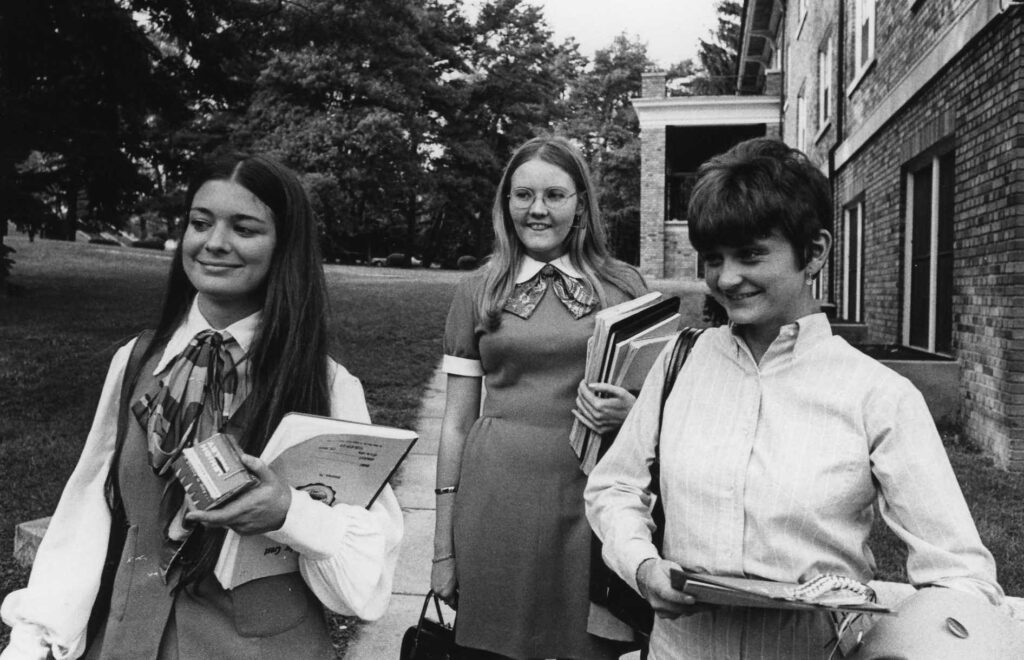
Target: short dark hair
<point>756,187</point>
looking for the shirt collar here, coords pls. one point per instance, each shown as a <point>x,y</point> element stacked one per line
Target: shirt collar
<point>243,332</point>
<point>529,267</point>
<point>796,337</point>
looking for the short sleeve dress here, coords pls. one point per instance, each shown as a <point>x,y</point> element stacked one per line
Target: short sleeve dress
<point>521,539</point>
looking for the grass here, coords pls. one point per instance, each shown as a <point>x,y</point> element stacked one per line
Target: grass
<point>80,302</point>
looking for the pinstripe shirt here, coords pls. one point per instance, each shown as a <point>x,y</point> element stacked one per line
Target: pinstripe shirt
<point>774,471</point>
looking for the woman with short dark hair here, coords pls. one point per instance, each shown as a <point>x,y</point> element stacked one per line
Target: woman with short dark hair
<point>778,440</point>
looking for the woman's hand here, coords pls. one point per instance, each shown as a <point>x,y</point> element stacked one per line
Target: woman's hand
<point>442,580</point>
<point>602,407</point>
<point>256,511</point>
<point>654,579</point>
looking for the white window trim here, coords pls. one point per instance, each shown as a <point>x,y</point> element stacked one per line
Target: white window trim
<point>801,122</point>
<point>861,75</point>
<point>852,308</point>
<point>933,262</point>
<point>857,22</point>
<point>825,82</point>
<point>802,9</point>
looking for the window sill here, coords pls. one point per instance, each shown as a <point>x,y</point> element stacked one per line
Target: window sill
<point>821,132</point>
<point>860,77</point>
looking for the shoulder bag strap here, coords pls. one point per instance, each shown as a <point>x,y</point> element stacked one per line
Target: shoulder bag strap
<point>680,351</point>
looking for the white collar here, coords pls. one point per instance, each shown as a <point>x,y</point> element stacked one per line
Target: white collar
<point>243,331</point>
<point>529,267</point>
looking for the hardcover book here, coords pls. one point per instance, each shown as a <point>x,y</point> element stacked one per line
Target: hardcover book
<point>335,462</point>
<point>826,592</point>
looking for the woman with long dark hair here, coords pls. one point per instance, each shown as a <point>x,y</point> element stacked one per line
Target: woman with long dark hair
<point>241,341</point>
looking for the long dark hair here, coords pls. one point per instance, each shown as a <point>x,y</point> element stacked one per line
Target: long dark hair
<point>288,357</point>
<point>586,244</point>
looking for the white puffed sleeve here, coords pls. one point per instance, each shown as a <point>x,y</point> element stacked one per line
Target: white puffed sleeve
<point>347,554</point>
<point>52,612</point>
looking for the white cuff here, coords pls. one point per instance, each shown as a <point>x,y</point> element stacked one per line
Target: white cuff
<point>457,366</point>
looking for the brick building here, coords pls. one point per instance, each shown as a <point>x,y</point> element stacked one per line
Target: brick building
<point>915,109</point>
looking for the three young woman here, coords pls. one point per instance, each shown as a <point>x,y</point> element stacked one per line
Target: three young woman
<point>241,342</point>
<point>511,538</point>
<point>778,438</point>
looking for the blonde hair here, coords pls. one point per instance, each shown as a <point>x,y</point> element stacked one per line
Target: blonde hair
<point>586,244</point>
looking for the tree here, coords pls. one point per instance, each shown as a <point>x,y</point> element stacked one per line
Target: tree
<point>353,96</point>
<point>513,90</point>
<point>603,121</point>
<point>78,87</point>
<point>718,64</point>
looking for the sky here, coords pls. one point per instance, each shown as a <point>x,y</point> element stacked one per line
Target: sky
<point>670,28</point>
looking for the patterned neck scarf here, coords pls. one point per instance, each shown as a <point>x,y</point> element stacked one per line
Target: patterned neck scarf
<point>188,405</point>
<point>190,402</point>
<point>576,294</point>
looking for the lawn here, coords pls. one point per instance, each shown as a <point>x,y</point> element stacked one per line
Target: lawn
<point>80,302</point>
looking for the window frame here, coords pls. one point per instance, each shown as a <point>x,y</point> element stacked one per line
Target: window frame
<point>853,255</point>
<point>801,121</point>
<point>938,162</point>
<point>863,12</point>
<point>826,92</point>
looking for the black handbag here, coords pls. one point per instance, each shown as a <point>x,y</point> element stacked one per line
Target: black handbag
<point>607,588</point>
<point>428,639</point>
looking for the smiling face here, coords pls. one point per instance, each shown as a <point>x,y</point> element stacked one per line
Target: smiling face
<point>543,230</point>
<point>761,284</point>
<point>227,250</point>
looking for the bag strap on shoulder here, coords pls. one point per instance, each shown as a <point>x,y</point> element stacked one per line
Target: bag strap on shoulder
<point>680,351</point>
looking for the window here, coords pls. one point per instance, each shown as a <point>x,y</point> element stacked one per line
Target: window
<point>825,84</point>
<point>864,37</point>
<point>928,286</point>
<point>853,262</point>
<point>801,122</point>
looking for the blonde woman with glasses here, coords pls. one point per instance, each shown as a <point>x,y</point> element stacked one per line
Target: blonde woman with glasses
<point>511,541</point>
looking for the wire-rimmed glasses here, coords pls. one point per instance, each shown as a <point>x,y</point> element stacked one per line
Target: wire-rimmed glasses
<point>553,198</point>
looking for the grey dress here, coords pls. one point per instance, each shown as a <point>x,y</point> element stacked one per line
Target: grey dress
<point>521,539</point>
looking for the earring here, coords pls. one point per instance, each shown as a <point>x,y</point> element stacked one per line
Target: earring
<point>809,279</point>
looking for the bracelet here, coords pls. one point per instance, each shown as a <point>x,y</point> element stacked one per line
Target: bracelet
<point>446,490</point>
<point>438,560</point>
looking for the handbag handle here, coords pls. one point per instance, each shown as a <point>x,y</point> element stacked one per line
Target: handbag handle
<point>437,607</point>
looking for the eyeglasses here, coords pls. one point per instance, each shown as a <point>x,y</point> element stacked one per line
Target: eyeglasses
<point>554,198</point>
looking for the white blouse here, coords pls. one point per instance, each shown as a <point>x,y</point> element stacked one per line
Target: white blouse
<point>347,554</point>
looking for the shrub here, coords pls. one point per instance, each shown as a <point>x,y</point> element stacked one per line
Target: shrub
<point>150,243</point>
<point>466,262</point>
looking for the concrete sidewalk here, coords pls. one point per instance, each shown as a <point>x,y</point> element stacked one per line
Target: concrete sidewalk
<point>382,640</point>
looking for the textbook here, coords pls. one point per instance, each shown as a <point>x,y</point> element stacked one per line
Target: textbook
<point>616,328</point>
<point>334,461</point>
<point>826,592</point>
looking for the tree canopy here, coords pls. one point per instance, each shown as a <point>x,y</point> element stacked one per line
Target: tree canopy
<point>399,113</point>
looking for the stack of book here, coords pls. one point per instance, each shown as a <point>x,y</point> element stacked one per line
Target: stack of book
<point>627,338</point>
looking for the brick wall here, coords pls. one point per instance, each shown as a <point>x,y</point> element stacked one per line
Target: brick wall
<point>652,202</point>
<point>680,257</point>
<point>974,105</point>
